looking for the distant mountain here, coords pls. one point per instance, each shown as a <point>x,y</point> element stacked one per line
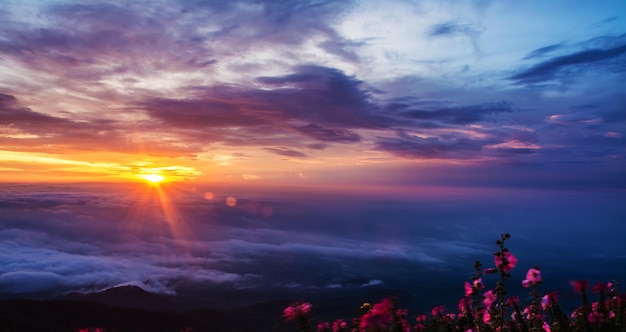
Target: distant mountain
<point>129,297</point>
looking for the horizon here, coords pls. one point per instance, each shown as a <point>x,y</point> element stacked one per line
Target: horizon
<point>268,149</point>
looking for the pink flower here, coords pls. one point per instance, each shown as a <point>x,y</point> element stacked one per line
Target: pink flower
<point>379,317</point>
<point>600,288</point>
<point>611,314</point>
<point>339,325</point>
<point>486,317</point>
<point>322,327</point>
<point>507,263</point>
<point>549,300</point>
<point>579,285</point>
<point>533,277</point>
<point>490,298</point>
<point>438,311</point>
<point>468,289</point>
<point>595,306</point>
<point>546,327</point>
<point>512,300</point>
<point>594,317</point>
<point>478,283</point>
<point>297,310</point>
<point>465,304</point>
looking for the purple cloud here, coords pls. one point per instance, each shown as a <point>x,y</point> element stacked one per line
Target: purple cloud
<point>330,135</point>
<point>413,146</point>
<point>287,152</point>
<point>459,115</point>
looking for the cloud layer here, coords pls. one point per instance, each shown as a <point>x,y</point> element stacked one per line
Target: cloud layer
<point>89,237</point>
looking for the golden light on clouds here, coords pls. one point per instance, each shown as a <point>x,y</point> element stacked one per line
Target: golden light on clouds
<point>105,167</point>
<point>174,173</point>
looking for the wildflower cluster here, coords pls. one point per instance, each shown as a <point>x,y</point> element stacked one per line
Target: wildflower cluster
<point>482,309</point>
<point>298,312</point>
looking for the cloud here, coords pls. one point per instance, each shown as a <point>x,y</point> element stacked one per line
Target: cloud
<point>35,131</point>
<point>317,146</point>
<point>459,115</point>
<point>330,135</point>
<point>31,267</point>
<point>207,112</point>
<point>452,28</point>
<point>181,78</point>
<point>408,146</point>
<point>374,282</point>
<point>113,235</point>
<point>12,114</point>
<point>287,152</point>
<point>330,101</point>
<point>556,67</point>
<point>322,95</point>
<point>543,51</point>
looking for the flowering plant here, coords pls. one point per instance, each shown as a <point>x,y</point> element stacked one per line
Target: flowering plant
<point>490,310</point>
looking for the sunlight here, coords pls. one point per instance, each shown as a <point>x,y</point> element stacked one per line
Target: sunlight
<point>155,210</point>
<point>152,178</point>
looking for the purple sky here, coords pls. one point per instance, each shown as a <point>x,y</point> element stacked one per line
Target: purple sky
<point>296,91</point>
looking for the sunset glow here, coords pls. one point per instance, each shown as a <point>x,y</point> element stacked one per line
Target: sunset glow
<point>154,178</point>
<point>230,153</point>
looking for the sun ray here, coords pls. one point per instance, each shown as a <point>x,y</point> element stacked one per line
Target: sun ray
<point>155,210</point>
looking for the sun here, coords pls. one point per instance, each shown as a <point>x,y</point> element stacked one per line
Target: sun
<point>152,178</point>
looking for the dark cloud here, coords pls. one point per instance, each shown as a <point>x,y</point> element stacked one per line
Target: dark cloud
<point>207,112</point>
<point>329,100</point>
<point>98,40</point>
<point>544,51</point>
<point>46,132</point>
<point>317,146</point>
<point>552,68</point>
<point>277,22</point>
<point>287,152</point>
<point>330,135</point>
<point>12,114</point>
<point>452,28</point>
<point>520,151</point>
<point>325,96</point>
<point>94,39</point>
<point>315,94</point>
<point>458,115</point>
<point>413,146</point>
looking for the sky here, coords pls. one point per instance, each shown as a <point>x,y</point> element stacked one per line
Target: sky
<point>368,136</point>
